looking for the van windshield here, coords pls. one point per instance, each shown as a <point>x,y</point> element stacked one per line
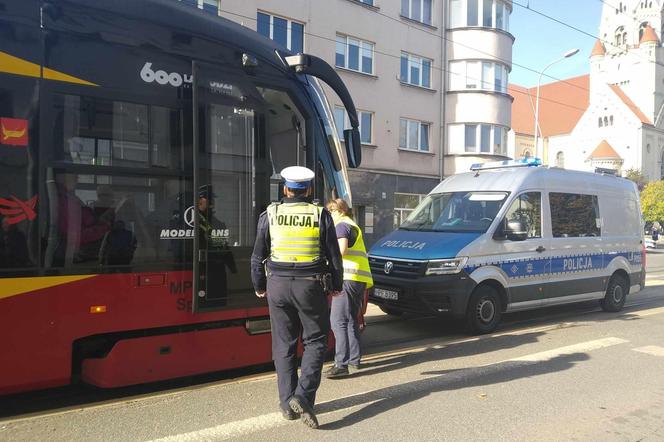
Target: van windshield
<point>456,212</point>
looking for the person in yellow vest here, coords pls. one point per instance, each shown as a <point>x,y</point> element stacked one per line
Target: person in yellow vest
<point>347,304</point>
<point>297,241</point>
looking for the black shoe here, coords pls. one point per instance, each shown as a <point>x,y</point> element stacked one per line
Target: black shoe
<point>289,414</point>
<point>305,411</point>
<point>353,368</point>
<point>336,372</point>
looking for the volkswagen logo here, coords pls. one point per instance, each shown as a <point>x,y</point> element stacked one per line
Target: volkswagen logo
<point>389,265</point>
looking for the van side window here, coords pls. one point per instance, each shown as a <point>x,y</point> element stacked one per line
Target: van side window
<point>527,208</point>
<point>574,215</point>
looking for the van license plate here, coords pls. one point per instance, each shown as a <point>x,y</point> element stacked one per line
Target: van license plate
<point>386,294</point>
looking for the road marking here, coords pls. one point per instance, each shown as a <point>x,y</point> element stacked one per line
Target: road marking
<point>570,349</point>
<point>272,420</point>
<point>229,430</point>
<point>651,350</point>
<point>246,426</point>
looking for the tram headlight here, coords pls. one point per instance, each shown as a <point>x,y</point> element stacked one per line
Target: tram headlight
<point>446,266</point>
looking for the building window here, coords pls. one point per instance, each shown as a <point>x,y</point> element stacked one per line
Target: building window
<point>485,75</point>
<point>574,215</point>
<point>611,120</point>
<point>618,35</point>
<point>342,122</point>
<point>484,13</point>
<point>418,10</point>
<point>364,215</point>
<point>285,32</point>
<point>415,70</point>
<point>560,160</point>
<point>477,138</point>
<point>606,121</point>
<point>404,204</point>
<point>414,135</point>
<point>354,54</point>
<point>211,6</point>
<point>599,122</point>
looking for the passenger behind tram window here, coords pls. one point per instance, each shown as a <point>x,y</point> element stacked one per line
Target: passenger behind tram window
<point>79,232</point>
<point>105,205</point>
<point>13,246</point>
<point>118,245</point>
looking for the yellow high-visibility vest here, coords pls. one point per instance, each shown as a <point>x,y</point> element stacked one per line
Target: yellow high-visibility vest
<point>356,263</point>
<point>294,232</point>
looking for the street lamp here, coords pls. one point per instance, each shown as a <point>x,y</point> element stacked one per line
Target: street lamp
<point>567,54</point>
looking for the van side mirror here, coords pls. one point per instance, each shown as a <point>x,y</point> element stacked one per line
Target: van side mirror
<point>353,147</point>
<point>513,230</point>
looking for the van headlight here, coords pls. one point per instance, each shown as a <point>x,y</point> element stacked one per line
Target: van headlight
<point>446,266</point>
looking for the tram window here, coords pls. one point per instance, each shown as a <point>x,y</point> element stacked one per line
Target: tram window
<point>110,221</point>
<point>102,132</point>
<point>166,137</point>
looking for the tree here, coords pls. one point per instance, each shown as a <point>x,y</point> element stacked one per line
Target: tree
<point>636,176</point>
<point>652,201</point>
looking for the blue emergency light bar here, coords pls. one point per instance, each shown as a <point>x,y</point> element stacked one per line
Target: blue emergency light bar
<point>524,162</point>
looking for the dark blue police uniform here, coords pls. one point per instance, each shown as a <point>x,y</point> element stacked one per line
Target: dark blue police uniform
<point>298,305</point>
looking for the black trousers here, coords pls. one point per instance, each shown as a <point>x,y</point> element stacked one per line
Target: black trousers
<point>298,306</point>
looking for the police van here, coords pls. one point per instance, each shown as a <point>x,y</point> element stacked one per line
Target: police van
<point>512,236</point>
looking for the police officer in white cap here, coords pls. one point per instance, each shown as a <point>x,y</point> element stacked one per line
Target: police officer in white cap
<point>298,242</point>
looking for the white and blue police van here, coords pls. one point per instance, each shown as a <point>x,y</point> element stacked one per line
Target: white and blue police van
<point>512,236</point>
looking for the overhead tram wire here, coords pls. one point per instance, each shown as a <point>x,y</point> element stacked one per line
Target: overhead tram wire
<point>440,37</point>
<point>493,57</point>
<point>535,11</point>
<point>439,69</point>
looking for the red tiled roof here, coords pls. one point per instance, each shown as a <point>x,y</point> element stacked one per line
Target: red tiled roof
<point>604,150</point>
<point>649,35</point>
<point>598,49</point>
<point>561,106</point>
<point>630,104</point>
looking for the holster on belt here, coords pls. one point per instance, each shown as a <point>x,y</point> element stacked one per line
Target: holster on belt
<point>326,282</point>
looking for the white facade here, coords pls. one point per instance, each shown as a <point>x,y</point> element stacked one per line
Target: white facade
<point>626,100</point>
<point>478,107</point>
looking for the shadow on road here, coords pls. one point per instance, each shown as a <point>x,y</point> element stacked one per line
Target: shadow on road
<point>392,397</point>
<point>450,351</point>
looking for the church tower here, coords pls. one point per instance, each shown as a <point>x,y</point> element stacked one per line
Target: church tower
<point>630,54</point>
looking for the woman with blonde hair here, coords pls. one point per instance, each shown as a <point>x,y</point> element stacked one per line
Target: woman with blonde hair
<point>347,303</point>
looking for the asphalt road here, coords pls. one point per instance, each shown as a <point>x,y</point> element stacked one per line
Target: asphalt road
<point>567,373</point>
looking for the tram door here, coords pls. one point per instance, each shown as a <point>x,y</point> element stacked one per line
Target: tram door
<point>224,189</point>
<point>245,133</point>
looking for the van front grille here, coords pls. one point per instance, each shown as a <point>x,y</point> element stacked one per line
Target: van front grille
<point>399,268</point>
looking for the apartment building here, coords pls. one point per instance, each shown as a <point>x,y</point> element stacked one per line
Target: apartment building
<point>429,79</point>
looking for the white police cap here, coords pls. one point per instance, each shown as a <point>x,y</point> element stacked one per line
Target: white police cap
<point>297,177</point>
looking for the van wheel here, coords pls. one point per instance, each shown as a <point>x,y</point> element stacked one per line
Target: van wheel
<point>390,311</point>
<point>616,293</point>
<point>484,311</point>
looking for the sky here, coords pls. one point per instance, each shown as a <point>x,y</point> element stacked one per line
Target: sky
<point>539,40</point>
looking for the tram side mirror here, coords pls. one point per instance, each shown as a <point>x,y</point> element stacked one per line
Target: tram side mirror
<point>513,230</point>
<point>353,147</point>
